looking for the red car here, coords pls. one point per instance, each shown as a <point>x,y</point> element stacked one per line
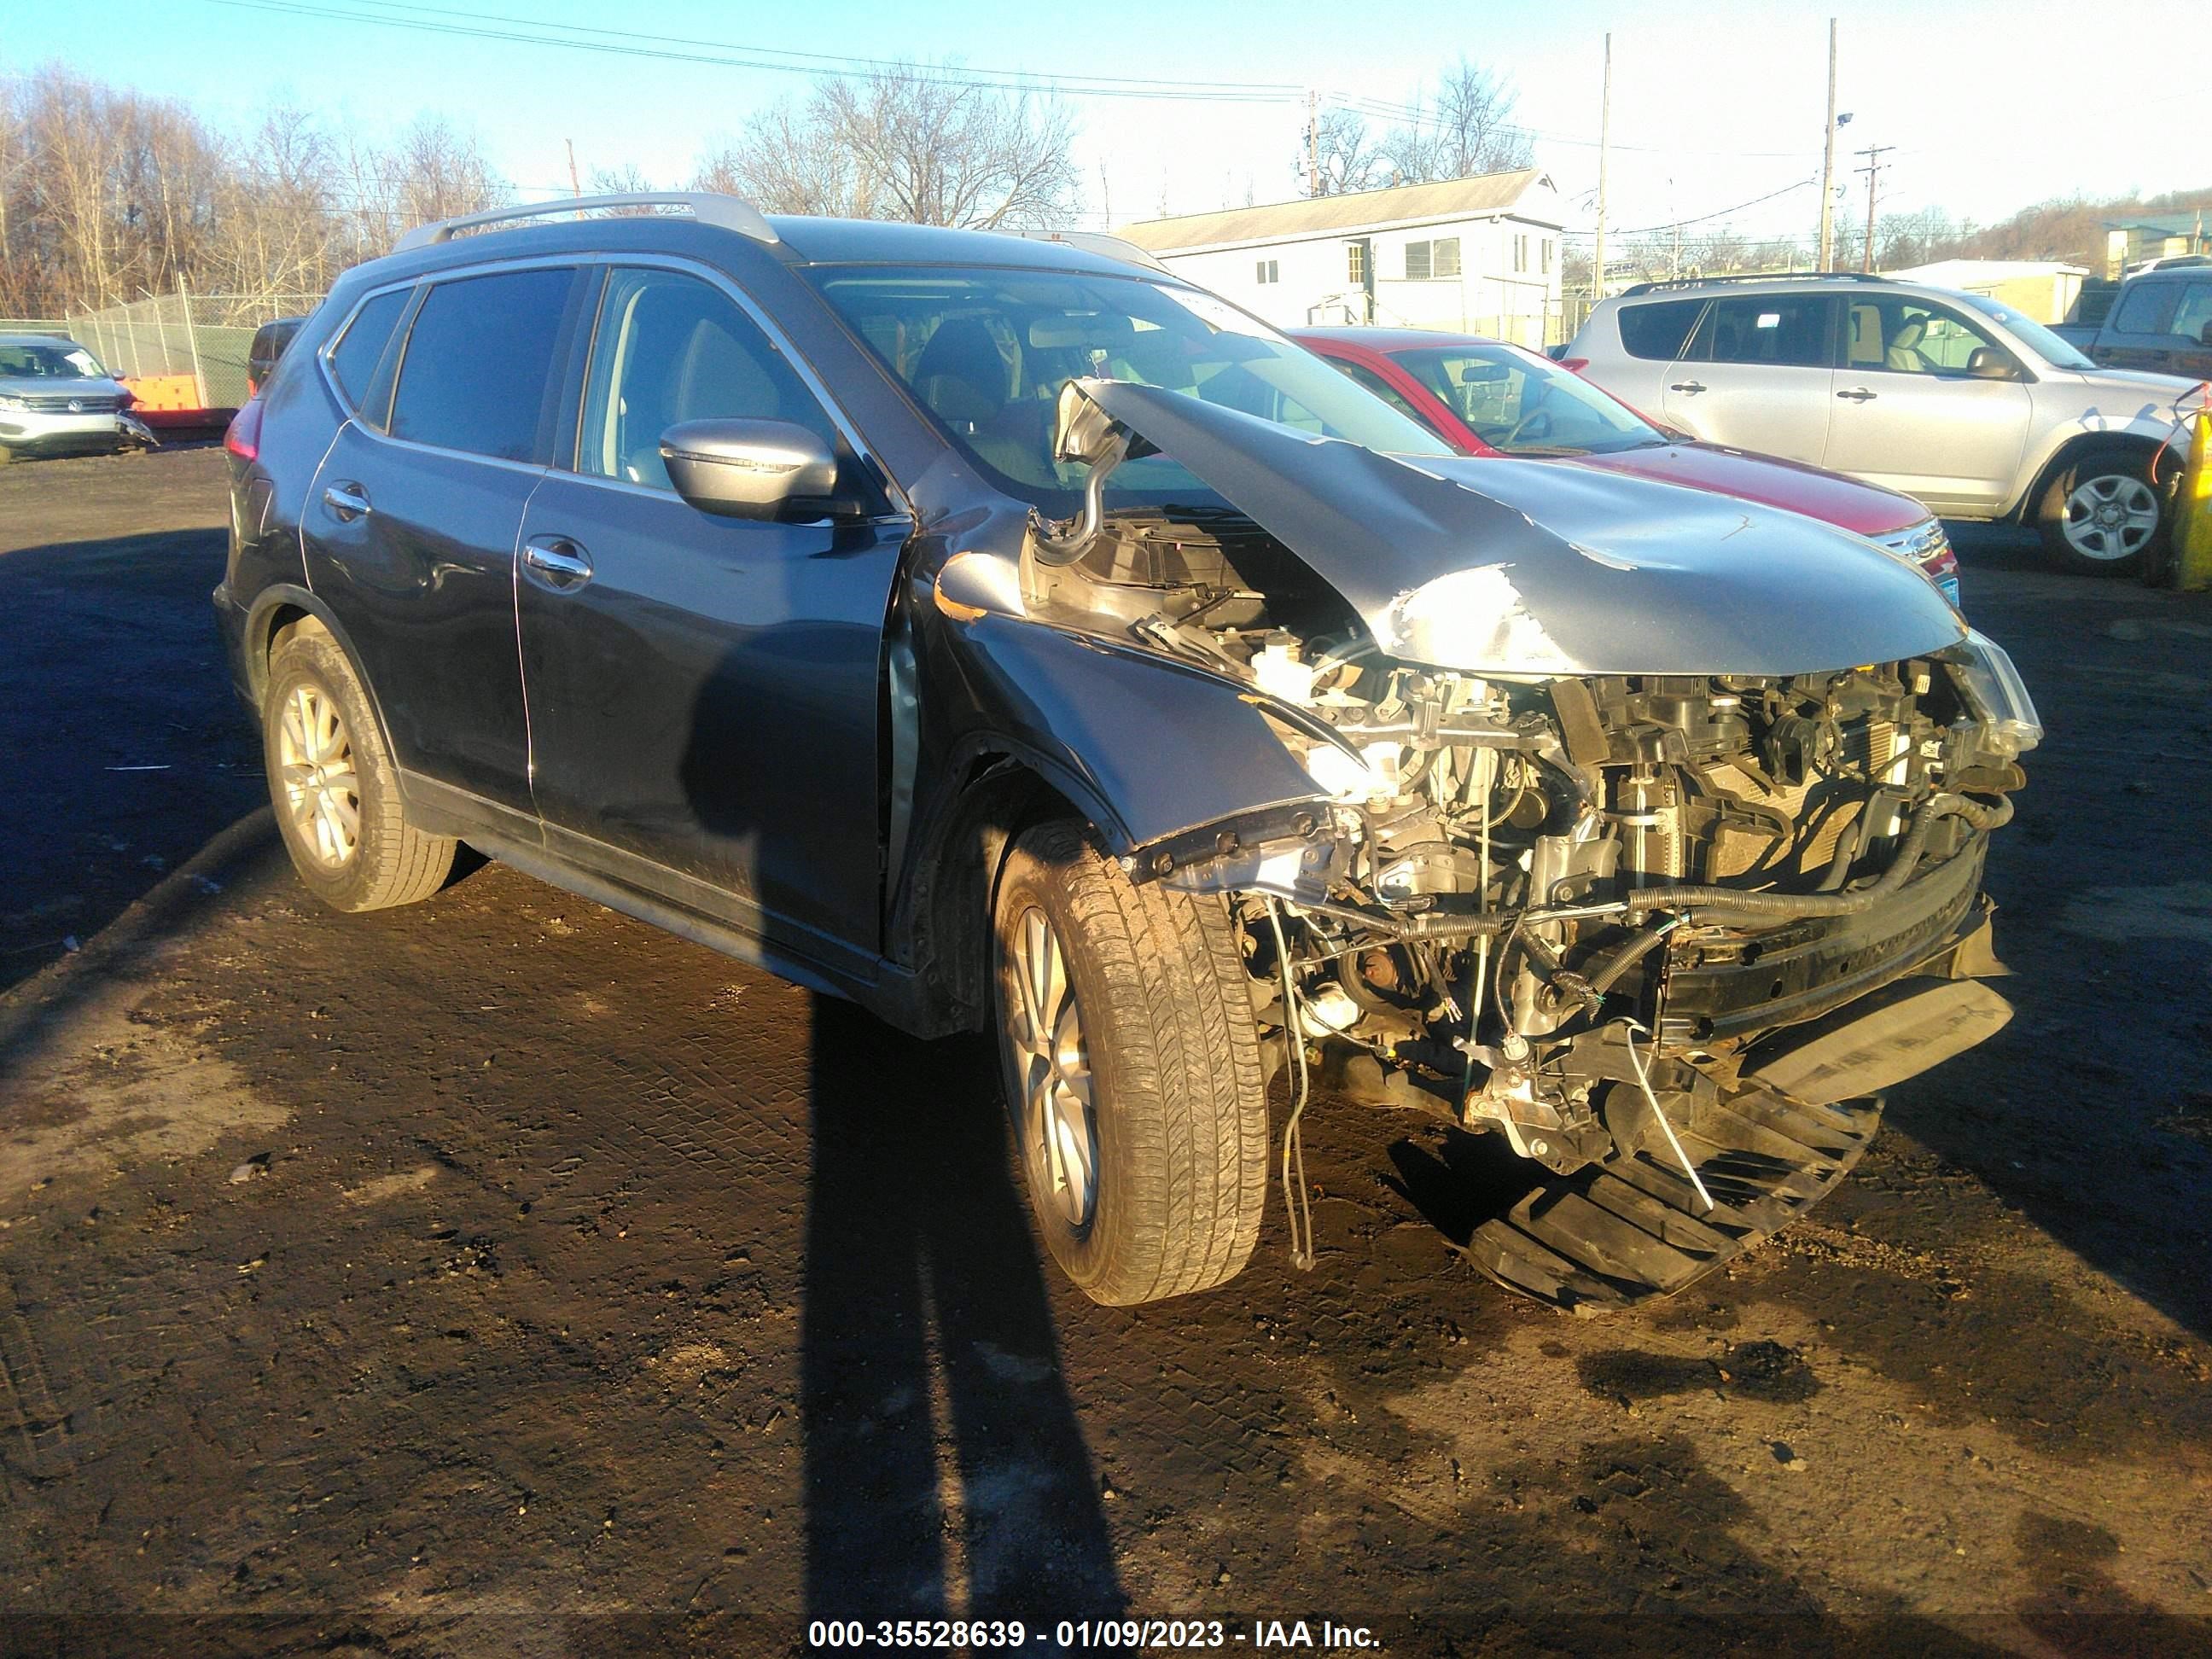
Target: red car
<point>1486,398</point>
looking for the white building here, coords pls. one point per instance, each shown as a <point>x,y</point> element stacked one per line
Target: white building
<point>1480,256</point>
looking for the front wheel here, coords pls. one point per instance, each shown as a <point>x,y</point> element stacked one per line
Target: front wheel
<point>1133,1071</point>
<point>2103,514</point>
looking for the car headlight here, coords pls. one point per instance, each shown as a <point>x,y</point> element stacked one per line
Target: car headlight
<point>1996,696</point>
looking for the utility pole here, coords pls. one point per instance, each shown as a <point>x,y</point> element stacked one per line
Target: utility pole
<point>1873,171</point>
<point>1828,162</point>
<point>1313,142</point>
<point>1604,152</point>
<point>575,185</point>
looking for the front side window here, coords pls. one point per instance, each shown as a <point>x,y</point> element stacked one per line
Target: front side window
<point>1910,337</point>
<point>1523,404</point>
<point>1658,333</point>
<point>353,359</point>
<point>1775,330</point>
<point>987,350</point>
<point>476,363</point>
<point>2039,340</point>
<point>668,349</point>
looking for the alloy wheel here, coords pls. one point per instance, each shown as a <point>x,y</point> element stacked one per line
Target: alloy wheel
<point>2111,517</point>
<point>314,759</point>
<point>1059,1123</point>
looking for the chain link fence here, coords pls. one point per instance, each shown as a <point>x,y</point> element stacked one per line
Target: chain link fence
<point>200,339</point>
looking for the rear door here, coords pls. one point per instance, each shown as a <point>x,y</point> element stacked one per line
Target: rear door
<point>1653,334</point>
<point>1758,373</point>
<point>704,692</point>
<point>1917,412</point>
<point>411,524</point>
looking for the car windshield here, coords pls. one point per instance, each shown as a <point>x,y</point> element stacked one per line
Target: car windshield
<point>62,360</point>
<point>2030,333</point>
<point>986,352</point>
<point>1521,405</point>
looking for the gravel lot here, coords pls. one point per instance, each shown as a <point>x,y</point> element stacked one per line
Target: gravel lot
<point>502,1276</point>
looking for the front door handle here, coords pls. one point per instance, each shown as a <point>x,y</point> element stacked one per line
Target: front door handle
<point>1691,386</point>
<point>348,500</point>
<point>1858,394</point>
<point>555,562</point>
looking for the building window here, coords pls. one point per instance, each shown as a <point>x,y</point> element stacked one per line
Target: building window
<point>1545,246</point>
<point>1355,263</point>
<point>1520,253</point>
<point>1270,271</point>
<point>1436,258</point>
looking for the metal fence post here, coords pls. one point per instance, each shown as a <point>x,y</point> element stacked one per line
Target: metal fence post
<point>192,339</point>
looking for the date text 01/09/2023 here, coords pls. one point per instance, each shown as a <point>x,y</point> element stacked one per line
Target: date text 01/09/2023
<point>1324,1635</point>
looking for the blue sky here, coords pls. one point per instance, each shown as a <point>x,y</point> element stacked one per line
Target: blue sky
<point>1716,102</point>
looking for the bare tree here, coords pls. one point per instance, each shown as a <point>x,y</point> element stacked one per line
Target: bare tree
<point>1348,158</point>
<point>904,142</point>
<point>1466,130</point>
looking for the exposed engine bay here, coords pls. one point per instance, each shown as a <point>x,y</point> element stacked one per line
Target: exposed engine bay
<point>1567,909</point>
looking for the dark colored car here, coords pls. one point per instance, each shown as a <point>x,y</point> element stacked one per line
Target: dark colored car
<point>269,343</point>
<point>1012,638</point>
<point>1486,398</point>
<point>2160,320</point>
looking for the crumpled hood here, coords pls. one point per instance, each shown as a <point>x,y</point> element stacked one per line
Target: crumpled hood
<point>1496,566</point>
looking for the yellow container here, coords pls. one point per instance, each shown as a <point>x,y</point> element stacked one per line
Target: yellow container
<point>2192,522</point>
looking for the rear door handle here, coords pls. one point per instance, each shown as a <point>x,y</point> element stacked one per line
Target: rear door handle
<point>1858,394</point>
<point>556,563</point>
<point>348,500</point>
<point>1686,386</point>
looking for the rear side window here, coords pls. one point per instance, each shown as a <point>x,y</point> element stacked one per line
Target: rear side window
<point>1657,331</point>
<point>353,359</point>
<point>477,363</point>
<point>2144,308</point>
<point>2193,316</point>
<point>1773,330</point>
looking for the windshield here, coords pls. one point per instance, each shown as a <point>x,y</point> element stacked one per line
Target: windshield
<point>1521,405</point>
<point>2032,334</point>
<point>986,352</point>
<point>64,359</point>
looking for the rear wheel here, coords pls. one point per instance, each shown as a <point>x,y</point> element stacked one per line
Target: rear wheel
<point>2104,514</point>
<point>1133,1071</point>
<point>333,784</point>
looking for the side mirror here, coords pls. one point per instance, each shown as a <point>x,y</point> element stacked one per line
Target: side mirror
<point>1989,364</point>
<point>2204,335</point>
<point>749,469</point>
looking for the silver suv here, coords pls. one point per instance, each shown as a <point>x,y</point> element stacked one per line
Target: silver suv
<point>1951,397</point>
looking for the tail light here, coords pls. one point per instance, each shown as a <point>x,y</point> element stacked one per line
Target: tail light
<point>243,439</point>
<point>1574,365</point>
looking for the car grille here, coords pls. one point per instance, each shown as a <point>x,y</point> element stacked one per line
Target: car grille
<point>58,403</point>
<point>1921,544</point>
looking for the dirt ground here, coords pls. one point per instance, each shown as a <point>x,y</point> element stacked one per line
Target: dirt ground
<point>502,1276</point>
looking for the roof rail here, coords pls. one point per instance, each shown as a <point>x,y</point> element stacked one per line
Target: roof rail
<point>728,212</point>
<point>1748,276</point>
<point>1095,241</point>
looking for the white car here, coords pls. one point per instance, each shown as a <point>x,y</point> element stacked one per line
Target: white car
<point>1952,398</point>
<point>56,399</point>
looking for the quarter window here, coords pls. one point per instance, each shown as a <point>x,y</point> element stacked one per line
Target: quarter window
<point>1658,332</point>
<point>353,360</point>
<point>476,363</point>
<point>1780,330</point>
<point>2145,308</point>
<point>668,349</point>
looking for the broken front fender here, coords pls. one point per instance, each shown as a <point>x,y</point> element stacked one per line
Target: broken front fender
<point>1151,749</point>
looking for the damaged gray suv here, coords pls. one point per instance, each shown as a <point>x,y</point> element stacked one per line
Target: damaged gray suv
<point>1010,637</point>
